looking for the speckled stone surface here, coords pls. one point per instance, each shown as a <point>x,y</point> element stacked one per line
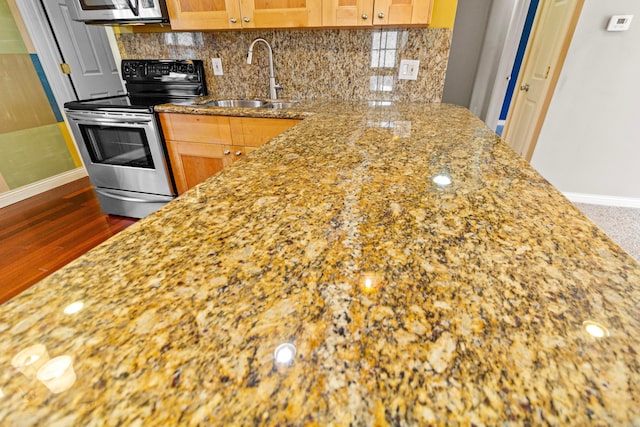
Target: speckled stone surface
<point>310,64</point>
<point>408,302</point>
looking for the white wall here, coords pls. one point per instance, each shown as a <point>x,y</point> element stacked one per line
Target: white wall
<point>590,140</point>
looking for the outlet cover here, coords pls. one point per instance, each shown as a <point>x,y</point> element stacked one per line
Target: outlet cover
<point>217,66</point>
<point>408,69</point>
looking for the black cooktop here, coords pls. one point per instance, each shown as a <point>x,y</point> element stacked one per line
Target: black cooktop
<point>151,82</point>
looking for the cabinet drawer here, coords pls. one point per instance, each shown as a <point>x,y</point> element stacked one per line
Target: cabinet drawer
<point>253,132</point>
<point>196,128</point>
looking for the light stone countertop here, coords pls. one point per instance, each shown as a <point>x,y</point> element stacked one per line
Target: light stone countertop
<point>403,301</point>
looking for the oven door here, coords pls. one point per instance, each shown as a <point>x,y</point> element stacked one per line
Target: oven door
<point>122,151</point>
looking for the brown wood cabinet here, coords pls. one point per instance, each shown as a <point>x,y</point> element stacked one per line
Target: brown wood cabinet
<point>224,14</point>
<point>200,146</point>
<point>204,14</point>
<point>350,13</point>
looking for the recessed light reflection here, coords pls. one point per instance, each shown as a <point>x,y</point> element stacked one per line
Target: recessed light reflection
<point>29,360</point>
<point>58,374</point>
<point>595,329</point>
<point>1,394</point>
<point>74,307</point>
<point>284,354</point>
<point>370,281</point>
<point>442,180</point>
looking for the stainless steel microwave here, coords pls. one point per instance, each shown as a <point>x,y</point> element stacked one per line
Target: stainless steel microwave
<point>118,11</point>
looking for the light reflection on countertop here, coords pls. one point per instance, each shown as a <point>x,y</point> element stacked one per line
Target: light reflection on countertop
<point>74,307</point>
<point>442,180</point>
<point>398,300</point>
<point>284,355</point>
<point>596,330</point>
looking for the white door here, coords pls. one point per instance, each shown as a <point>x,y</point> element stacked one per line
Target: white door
<point>552,32</point>
<point>85,48</point>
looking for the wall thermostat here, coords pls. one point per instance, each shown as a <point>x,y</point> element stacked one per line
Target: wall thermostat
<point>619,23</point>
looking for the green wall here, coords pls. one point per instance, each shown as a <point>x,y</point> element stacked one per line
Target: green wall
<point>34,144</point>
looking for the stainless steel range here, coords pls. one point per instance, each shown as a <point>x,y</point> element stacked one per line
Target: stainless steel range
<point>120,140</point>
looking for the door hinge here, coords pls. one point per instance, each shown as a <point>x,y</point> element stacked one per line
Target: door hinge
<point>65,68</point>
<point>547,73</point>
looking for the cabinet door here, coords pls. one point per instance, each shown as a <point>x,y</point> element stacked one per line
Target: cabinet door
<point>204,14</point>
<point>281,13</point>
<point>347,13</point>
<point>194,162</point>
<point>399,12</point>
<point>253,132</point>
<point>198,146</point>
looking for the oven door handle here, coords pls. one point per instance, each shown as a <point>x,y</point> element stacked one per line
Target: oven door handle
<point>101,120</point>
<point>130,199</point>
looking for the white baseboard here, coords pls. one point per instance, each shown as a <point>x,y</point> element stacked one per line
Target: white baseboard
<point>36,188</point>
<point>596,199</point>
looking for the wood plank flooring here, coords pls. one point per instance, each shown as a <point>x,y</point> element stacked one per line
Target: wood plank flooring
<point>43,233</point>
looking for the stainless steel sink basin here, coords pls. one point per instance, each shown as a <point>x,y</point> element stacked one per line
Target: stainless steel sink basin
<point>250,103</point>
<point>281,104</point>
<point>237,103</point>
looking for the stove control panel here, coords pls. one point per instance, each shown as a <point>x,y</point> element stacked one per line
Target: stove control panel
<point>153,70</point>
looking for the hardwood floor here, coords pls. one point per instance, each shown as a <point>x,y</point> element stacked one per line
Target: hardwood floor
<point>41,234</point>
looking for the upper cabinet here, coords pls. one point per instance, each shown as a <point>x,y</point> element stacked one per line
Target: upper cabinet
<point>204,14</point>
<point>351,13</point>
<point>347,13</point>
<point>399,12</point>
<point>226,14</point>
<point>281,13</point>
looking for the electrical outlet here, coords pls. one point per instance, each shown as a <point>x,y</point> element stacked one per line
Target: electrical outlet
<point>217,66</point>
<point>408,69</point>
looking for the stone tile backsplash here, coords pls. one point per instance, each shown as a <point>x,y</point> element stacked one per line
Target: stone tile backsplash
<point>310,64</point>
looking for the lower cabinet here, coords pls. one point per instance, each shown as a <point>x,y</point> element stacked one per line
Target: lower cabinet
<point>200,146</point>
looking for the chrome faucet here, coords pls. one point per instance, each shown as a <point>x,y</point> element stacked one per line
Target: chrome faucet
<point>272,78</point>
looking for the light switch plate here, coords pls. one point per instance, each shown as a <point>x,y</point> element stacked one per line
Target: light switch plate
<point>408,69</point>
<point>619,23</point>
<point>217,66</point>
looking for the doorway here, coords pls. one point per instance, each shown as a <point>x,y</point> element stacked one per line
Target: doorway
<point>89,70</point>
<point>551,35</point>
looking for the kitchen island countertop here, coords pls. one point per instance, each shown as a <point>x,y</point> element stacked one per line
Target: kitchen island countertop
<point>374,265</point>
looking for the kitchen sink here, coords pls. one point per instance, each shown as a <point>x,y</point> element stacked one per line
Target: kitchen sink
<point>250,103</point>
<point>281,104</point>
<point>237,103</point>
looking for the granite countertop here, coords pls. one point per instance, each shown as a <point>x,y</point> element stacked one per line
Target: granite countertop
<point>373,265</point>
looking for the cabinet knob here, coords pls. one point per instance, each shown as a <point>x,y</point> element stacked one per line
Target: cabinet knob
<point>381,15</point>
<point>227,152</point>
<point>246,19</point>
<point>365,16</point>
<point>233,20</point>
<point>238,153</point>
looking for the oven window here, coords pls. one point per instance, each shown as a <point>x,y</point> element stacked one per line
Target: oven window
<point>97,4</point>
<point>115,4</point>
<point>117,146</point>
